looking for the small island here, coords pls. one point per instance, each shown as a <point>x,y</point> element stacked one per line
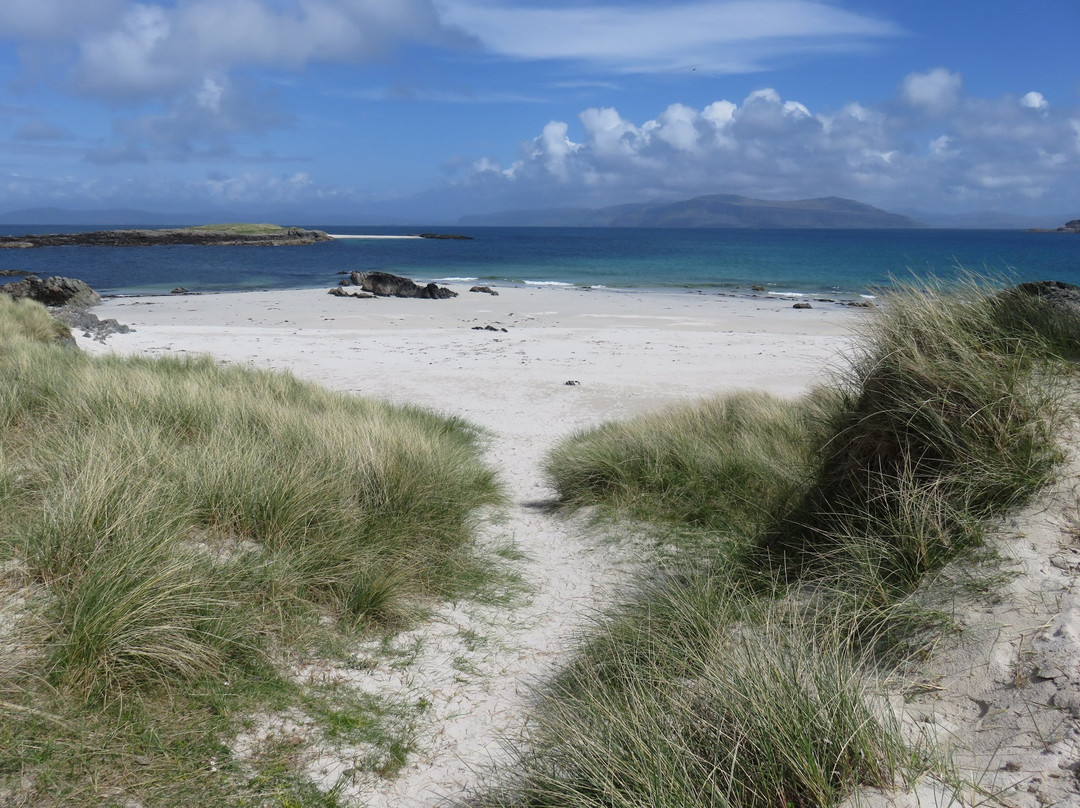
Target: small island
<point>217,235</point>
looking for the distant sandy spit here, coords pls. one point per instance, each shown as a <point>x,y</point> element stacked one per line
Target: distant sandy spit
<point>344,235</point>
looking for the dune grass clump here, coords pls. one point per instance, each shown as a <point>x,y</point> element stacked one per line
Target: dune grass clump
<point>723,463</point>
<point>945,417</point>
<point>749,675</point>
<point>697,695</point>
<point>183,530</point>
<point>319,495</point>
<point>24,320</point>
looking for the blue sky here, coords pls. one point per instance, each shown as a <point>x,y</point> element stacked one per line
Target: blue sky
<point>425,110</point>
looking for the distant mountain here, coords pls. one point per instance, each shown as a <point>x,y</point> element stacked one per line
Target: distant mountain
<point>717,210</point>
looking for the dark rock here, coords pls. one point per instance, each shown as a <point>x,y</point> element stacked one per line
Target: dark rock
<point>452,236</point>
<point>185,235</point>
<point>179,290</point>
<point>53,291</point>
<point>802,306</point>
<point>91,326</point>
<point>860,304</point>
<point>572,383</point>
<point>1051,291</point>
<point>340,291</point>
<point>1070,227</point>
<point>488,328</point>
<point>383,284</point>
<point>487,290</point>
<point>14,273</point>
<point>757,288</point>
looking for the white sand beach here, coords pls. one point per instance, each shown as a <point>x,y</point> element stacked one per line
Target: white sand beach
<point>625,353</point>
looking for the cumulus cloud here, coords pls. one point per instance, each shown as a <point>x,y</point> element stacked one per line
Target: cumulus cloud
<point>935,91</point>
<point>986,151</point>
<point>155,48</point>
<point>198,124</point>
<point>190,58</point>
<point>136,51</point>
<point>56,20</point>
<point>721,36</point>
<point>255,188</point>
<point>1034,100</point>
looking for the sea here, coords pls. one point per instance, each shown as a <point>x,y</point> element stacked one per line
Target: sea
<point>843,264</point>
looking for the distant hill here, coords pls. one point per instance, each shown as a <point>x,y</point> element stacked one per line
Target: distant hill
<point>717,210</point>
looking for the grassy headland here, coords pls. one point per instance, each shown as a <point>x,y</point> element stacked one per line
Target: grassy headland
<point>173,535</point>
<point>748,673</point>
<point>244,228</point>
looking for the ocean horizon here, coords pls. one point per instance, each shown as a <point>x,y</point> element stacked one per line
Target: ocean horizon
<point>845,264</point>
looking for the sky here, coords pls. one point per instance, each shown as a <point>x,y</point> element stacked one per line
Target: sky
<point>427,110</point>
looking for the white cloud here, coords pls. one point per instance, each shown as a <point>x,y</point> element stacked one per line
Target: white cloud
<point>53,20</point>
<point>132,51</point>
<point>939,146</point>
<point>1034,100</point>
<point>155,48</point>
<point>990,152</point>
<point>189,58</point>
<point>249,189</point>
<point>721,36</point>
<point>935,91</point>
<point>197,125</point>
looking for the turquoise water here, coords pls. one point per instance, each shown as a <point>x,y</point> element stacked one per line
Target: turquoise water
<point>841,263</point>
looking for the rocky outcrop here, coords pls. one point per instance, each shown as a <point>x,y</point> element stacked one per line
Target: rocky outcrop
<point>1057,292</point>
<point>285,236</point>
<point>487,290</point>
<point>383,284</point>
<point>340,291</point>
<point>1070,227</point>
<point>53,291</point>
<point>90,324</point>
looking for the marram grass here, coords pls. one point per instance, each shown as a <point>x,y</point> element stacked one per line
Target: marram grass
<point>169,458</point>
<point>748,677</point>
<point>183,530</point>
<point>725,462</point>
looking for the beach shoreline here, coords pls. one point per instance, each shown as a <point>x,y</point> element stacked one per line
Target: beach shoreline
<point>646,348</point>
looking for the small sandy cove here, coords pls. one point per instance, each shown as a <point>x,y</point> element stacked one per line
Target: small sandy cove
<point>534,364</point>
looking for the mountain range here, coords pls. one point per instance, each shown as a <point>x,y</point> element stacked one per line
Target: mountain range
<point>715,210</point>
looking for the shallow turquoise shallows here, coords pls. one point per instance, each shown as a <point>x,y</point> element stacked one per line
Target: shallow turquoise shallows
<point>840,263</point>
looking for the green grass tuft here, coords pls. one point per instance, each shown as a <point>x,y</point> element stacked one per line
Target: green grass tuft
<point>724,463</point>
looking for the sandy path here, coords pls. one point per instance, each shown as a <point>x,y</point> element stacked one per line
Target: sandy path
<point>473,665</point>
